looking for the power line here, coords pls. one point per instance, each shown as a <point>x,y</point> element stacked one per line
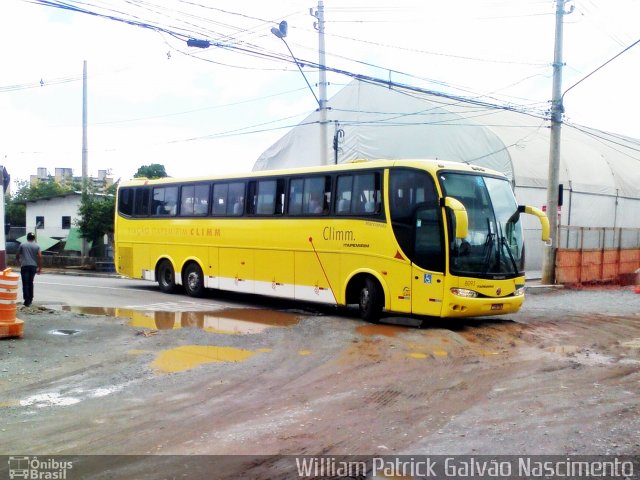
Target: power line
<point>601,66</point>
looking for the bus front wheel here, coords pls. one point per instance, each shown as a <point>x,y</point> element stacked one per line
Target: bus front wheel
<point>371,300</point>
<point>194,280</point>
<point>166,277</point>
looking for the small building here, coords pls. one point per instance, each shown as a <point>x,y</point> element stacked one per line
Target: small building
<point>54,216</point>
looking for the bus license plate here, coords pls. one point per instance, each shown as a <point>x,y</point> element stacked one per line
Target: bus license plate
<point>496,306</point>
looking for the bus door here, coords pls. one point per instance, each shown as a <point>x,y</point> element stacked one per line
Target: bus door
<point>428,262</point>
<point>416,219</point>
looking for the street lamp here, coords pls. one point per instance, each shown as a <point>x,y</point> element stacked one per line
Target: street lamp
<point>281,32</point>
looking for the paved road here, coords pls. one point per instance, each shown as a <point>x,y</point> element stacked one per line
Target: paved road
<point>56,290</point>
<point>560,377</point>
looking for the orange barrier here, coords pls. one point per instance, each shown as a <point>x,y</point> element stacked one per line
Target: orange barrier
<point>10,326</point>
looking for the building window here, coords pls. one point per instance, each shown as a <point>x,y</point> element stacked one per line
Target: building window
<point>66,222</point>
<point>39,222</point>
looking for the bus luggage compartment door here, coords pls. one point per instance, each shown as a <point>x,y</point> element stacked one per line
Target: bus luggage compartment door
<point>426,292</point>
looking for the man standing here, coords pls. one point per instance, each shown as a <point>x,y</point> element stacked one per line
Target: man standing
<point>31,264</point>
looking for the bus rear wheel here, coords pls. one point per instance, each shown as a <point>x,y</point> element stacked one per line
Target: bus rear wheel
<point>371,300</point>
<point>166,277</point>
<point>194,280</point>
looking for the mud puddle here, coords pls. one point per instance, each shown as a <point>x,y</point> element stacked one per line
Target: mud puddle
<point>187,357</point>
<point>463,339</point>
<point>234,321</point>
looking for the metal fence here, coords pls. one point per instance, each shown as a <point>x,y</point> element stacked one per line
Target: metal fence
<point>598,238</point>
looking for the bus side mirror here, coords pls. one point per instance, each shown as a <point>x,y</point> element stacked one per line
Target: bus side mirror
<point>544,221</point>
<point>459,213</point>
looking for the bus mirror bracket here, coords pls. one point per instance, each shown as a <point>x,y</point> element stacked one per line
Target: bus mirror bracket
<point>460,214</point>
<point>544,221</point>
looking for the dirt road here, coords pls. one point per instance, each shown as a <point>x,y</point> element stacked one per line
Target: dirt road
<point>561,377</point>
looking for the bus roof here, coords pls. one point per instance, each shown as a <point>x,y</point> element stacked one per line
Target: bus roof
<point>429,165</point>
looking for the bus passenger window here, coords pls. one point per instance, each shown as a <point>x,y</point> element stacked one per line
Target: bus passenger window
<point>359,194</point>
<point>220,191</point>
<point>235,200</point>
<point>313,200</point>
<point>165,201</point>
<point>296,188</point>
<point>125,201</point>
<point>201,200</point>
<point>266,197</point>
<point>343,194</point>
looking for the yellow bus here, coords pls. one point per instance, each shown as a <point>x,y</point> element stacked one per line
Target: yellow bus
<point>414,237</point>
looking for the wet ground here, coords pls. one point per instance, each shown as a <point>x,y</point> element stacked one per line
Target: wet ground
<point>560,377</point>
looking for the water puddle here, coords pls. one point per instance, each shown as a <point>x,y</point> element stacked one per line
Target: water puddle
<point>48,399</point>
<point>187,357</point>
<point>235,321</point>
<point>384,330</point>
<point>64,332</point>
<point>563,349</point>
<point>635,343</point>
<point>431,354</point>
<point>418,355</point>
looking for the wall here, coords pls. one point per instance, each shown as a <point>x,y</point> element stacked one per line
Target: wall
<point>53,209</point>
<point>588,255</point>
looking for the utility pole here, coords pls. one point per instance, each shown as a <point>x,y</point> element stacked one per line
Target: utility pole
<point>85,180</point>
<point>557,109</point>
<point>322,85</point>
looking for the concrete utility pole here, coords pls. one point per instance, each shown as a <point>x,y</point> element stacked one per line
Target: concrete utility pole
<point>322,85</point>
<point>85,150</point>
<point>557,109</point>
<point>84,126</point>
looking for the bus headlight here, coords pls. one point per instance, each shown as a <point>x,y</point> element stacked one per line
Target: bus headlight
<point>463,292</point>
<point>518,292</point>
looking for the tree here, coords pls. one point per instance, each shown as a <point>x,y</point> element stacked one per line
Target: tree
<point>96,214</point>
<point>155,170</point>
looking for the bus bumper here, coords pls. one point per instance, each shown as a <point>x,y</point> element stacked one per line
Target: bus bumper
<point>474,307</point>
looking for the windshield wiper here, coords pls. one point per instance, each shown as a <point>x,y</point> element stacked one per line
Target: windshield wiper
<point>488,248</point>
<point>505,244</point>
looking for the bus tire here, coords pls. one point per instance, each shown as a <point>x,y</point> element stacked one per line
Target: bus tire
<point>371,300</point>
<point>194,280</point>
<point>166,277</point>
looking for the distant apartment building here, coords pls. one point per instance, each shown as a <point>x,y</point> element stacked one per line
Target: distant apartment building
<point>65,176</point>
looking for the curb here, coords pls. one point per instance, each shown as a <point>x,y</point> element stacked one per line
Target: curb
<point>82,273</point>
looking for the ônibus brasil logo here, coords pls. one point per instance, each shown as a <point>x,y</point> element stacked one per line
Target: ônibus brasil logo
<point>33,468</point>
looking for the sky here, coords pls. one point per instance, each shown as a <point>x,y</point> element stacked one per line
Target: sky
<point>153,99</point>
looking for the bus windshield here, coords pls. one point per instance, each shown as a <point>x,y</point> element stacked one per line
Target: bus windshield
<point>493,247</point>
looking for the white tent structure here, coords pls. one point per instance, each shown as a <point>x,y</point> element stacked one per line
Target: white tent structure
<point>600,172</point>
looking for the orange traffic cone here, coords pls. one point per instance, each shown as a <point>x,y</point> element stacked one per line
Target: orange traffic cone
<point>10,326</point>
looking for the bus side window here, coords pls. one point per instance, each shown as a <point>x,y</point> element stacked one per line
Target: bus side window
<point>220,191</point>
<point>266,197</point>
<point>201,200</point>
<point>365,193</point>
<point>235,199</point>
<point>187,195</point>
<point>358,194</point>
<point>165,201</point>
<point>125,201</point>
<point>313,200</point>
<point>142,200</point>
<point>343,194</point>
<point>296,189</point>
